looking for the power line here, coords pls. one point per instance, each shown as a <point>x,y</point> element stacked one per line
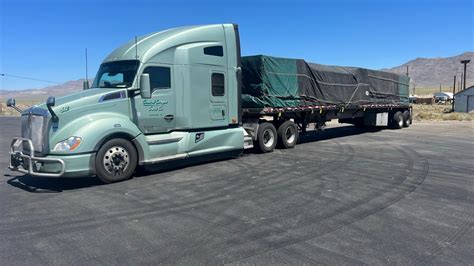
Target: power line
<point>23,77</point>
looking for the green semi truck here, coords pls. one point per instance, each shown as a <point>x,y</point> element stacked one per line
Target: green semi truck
<point>187,93</point>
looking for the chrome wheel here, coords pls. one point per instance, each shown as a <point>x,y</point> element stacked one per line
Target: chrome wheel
<point>290,134</point>
<point>400,123</point>
<point>406,118</point>
<point>287,135</point>
<point>268,138</point>
<point>116,160</point>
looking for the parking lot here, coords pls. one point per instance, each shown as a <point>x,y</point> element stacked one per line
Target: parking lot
<point>343,196</point>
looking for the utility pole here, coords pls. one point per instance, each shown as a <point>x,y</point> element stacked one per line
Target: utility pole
<point>407,70</point>
<point>414,89</point>
<point>440,87</point>
<point>454,91</point>
<point>465,62</point>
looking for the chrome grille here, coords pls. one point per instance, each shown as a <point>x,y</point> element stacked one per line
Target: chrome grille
<point>25,126</point>
<point>34,126</point>
<point>36,132</point>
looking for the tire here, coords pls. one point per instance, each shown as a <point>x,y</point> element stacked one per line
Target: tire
<point>406,118</point>
<point>397,120</point>
<point>116,161</point>
<point>287,135</point>
<point>266,138</point>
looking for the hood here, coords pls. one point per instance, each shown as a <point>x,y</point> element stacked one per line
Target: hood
<point>80,109</point>
<point>83,98</point>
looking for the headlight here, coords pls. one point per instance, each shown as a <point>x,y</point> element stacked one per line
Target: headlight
<point>69,144</point>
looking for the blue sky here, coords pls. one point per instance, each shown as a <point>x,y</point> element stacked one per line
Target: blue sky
<point>45,39</point>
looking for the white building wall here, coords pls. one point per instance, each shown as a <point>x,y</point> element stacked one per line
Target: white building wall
<point>464,101</point>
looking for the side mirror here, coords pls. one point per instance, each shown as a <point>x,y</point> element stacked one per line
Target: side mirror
<point>145,90</point>
<point>50,102</point>
<point>11,102</point>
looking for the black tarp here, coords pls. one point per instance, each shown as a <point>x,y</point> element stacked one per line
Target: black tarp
<point>282,82</point>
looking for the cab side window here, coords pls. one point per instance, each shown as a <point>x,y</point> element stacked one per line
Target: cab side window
<point>214,50</point>
<point>218,84</point>
<point>160,77</point>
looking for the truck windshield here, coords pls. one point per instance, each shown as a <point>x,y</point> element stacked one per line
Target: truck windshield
<point>118,74</point>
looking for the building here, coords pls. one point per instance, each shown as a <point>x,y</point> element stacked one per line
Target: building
<point>443,96</point>
<point>464,100</point>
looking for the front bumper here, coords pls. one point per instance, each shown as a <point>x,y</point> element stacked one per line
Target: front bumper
<point>29,164</point>
<point>50,166</point>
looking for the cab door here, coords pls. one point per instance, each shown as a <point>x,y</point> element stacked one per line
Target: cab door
<point>157,114</point>
<point>216,60</point>
<point>218,101</point>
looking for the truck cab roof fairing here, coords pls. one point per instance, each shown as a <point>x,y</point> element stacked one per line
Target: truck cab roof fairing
<point>151,44</point>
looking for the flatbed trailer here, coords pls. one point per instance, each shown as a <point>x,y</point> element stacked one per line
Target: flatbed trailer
<point>290,94</point>
<point>313,114</point>
<point>386,115</point>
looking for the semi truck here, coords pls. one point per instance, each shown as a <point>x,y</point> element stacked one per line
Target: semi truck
<point>187,93</point>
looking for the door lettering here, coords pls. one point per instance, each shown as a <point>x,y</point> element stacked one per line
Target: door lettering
<point>155,105</point>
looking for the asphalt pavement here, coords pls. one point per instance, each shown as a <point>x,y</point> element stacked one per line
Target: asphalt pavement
<point>343,196</point>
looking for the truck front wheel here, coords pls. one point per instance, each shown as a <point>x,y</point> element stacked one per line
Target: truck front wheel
<point>116,160</point>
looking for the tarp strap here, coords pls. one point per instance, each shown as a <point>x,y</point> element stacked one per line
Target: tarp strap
<point>316,81</point>
<point>386,79</point>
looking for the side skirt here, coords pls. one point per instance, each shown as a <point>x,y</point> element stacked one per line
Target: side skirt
<point>190,161</point>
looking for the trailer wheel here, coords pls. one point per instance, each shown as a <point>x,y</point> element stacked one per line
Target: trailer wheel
<point>406,118</point>
<point>116,161</point>
<point>287,135</point>
<point>266,137</point>
<point>397,120</point>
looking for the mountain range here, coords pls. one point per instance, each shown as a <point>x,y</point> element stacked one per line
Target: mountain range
<point>423,72</point>
<point>43,93</point>
<point>431,72</point>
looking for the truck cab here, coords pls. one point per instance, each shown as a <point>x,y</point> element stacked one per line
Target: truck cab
<point>168,95</point>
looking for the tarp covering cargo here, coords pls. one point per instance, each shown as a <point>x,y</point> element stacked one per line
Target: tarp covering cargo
<point>281,82</point>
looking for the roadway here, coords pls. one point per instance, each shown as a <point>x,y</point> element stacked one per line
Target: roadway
<point>344,196</point>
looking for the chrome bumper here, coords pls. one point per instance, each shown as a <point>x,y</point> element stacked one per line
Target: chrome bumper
<point>18,160</point>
